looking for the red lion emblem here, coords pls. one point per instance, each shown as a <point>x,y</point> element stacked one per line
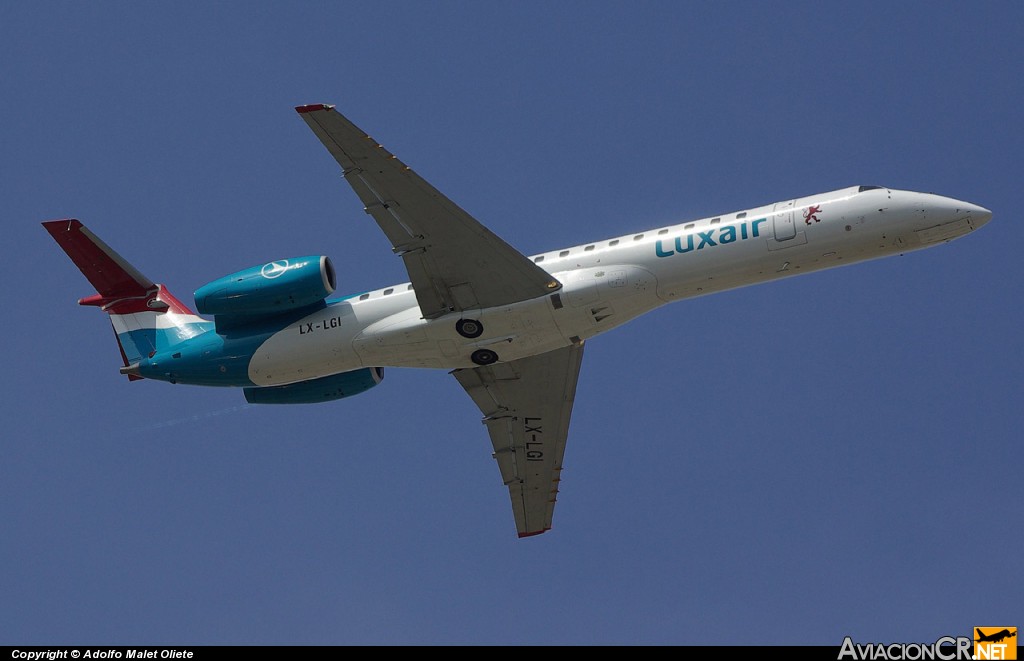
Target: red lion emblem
<point>811,214</point>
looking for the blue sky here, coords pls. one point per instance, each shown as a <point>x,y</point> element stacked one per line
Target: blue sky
<point>791,463</point>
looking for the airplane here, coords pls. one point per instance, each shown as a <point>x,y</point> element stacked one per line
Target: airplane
<point>511,328</point>
<point>996,637</point>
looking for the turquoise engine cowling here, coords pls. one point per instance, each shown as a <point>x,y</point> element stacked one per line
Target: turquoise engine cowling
<point>274,287</point>
<point>324,389</point>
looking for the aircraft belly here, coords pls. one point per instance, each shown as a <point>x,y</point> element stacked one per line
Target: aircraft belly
<point>400,340</point>
<point>315,346</point>
<point>597,299</point>
<point>512,331</point>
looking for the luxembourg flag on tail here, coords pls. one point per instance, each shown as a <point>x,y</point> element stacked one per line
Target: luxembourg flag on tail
<point>145,316</point>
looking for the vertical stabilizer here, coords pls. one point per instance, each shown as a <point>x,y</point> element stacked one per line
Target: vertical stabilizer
<point>145,316</point>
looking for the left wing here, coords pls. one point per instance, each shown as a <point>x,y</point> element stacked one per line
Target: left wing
<point>454,262</point>
<point>527,404</point>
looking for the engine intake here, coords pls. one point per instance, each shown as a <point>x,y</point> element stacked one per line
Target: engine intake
<point>274,287</point>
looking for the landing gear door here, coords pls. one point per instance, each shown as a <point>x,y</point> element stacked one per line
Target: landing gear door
<point>785,226</point>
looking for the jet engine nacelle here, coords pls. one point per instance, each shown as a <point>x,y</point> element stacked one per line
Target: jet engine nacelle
<point>324,389</point>
<point>278,286</point>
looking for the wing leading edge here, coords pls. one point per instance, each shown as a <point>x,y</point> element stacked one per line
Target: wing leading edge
<point>454,262</point>
<point>527,404</point>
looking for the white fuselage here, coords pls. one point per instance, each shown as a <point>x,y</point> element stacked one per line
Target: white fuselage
<point>610,282</point>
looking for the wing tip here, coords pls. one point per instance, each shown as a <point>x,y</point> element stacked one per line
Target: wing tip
<point>534,533</point>
<point>313,107</point>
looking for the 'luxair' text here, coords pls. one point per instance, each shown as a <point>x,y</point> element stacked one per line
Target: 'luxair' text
<point>712,237</point>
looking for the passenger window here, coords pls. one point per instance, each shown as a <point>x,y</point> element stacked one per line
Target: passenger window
<point>613,243</point>
<point>538,259</point>
<point>389,291</point>
<point>742,215</point>
<point>363,297</point>
<point>638,237</point>
<point>564,253</point>
<point>589,248</point>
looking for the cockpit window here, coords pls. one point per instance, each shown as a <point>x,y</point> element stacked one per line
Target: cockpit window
<point>861,189</point>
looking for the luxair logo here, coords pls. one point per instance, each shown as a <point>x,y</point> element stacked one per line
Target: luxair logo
<point>995,642</point>
<point>709,239</point>
<point>277,269</point>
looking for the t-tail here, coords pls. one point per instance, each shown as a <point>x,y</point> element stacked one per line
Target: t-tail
<point>145,316</point>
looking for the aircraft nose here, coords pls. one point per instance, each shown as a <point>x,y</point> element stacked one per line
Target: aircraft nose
<point>979,215</point>
<point>952,209</point>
